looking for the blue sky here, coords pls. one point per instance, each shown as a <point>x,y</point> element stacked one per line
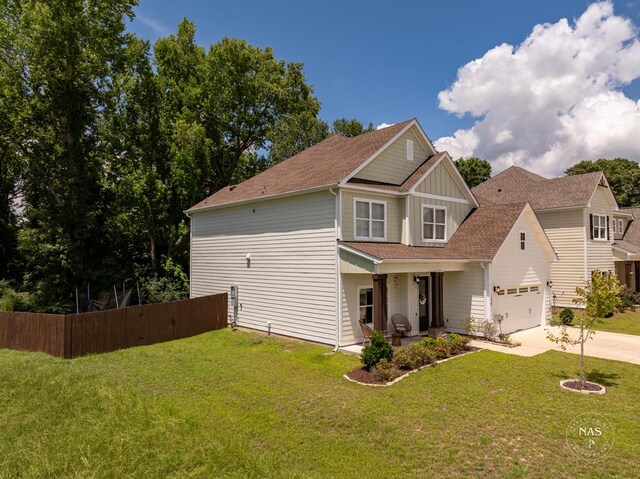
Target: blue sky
<point>378,61</point>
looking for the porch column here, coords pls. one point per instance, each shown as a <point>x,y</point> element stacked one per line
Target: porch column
<point>379,302</point>
<point>437,299</point>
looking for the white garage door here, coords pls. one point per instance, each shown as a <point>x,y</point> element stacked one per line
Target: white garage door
<point>521,307</point>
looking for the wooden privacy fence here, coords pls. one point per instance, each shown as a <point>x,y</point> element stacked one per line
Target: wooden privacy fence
<point>72,335</point>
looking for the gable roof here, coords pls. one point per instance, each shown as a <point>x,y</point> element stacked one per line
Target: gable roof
<point>478,238</point>
<point>631,239</point>
<point>324,164</point>
<point>516,184</point>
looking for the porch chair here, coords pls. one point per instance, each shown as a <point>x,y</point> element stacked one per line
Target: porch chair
<point>367,332</point>
<point>401,324</point>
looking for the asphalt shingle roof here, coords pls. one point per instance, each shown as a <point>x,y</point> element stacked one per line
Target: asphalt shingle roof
<point>324,164</point>
<point>479,237</point>
<point>631,239</point>
<point>516,184</point>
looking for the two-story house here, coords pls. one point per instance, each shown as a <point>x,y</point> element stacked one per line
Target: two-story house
<point>364,228</point>
<point>581,218</point>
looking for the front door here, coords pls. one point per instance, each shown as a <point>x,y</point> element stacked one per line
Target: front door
<point>423,303</point>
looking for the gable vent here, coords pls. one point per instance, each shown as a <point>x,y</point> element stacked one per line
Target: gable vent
<point>410,150</point>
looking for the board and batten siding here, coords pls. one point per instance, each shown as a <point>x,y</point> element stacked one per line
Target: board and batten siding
<point>392,165</point>
<point>394,212</point>
<point>456,214</point>
<point>566,231</point>
<point>512,267</point>
<point>290,277</point>
<point>440,182</point>
<point>600,253</point>
<point>463,297</point>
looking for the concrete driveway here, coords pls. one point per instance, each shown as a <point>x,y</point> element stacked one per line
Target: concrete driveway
<point>619,347</point>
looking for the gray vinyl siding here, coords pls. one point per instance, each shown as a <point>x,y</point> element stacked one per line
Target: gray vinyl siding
<point>394,212</point>
<point>566,231</point>
<point>463,297</point>
<point>392,166</point>
<point>291,278</point>
<point>456,214</point>
<point>440,182</point>
<point>600,253</point>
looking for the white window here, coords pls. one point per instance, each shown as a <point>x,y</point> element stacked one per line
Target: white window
<point>620,226</point>
<point>599,227</point>
<point>370,219</point>
<point>434,223</point>
<point>523,241</point>
<point>410,150</point>
<point>365,304</point>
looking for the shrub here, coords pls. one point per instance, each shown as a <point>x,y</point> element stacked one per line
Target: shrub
<point>457,343</point>
<point>628,299</point>
<point>386,370</point>
<point>377,350</point>
<point>429,342</point>
<point>489,329</point>
<point>413,356</point>
<point>566,317</point>
<point>12,300</point>
<point>162,290</point>
<point>441,348</point>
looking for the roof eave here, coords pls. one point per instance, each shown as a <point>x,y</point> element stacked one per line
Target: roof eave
<point>259,199</point>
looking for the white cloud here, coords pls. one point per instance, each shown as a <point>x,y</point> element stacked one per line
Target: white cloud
<point>157,26</point>
<point>384,125</point>
<point>554,99</point>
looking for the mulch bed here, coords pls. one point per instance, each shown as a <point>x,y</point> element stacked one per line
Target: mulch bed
<point>369,377</point>
<point>579,387</point>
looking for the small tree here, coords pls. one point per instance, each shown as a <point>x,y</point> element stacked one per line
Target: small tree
<point>600,297</point>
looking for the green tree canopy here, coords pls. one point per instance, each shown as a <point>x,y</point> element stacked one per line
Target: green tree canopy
<point>623,176</point>
<point>474,170</point>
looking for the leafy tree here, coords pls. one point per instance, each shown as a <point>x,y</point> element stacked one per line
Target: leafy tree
<point>65,54</point>
<point>601,296</point>
<point>474,170</point>
<point>349,128</point>
<point>623,176</point>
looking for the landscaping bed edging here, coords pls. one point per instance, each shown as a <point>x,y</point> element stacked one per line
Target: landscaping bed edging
<point>391,383</point>
<point>601,389</point>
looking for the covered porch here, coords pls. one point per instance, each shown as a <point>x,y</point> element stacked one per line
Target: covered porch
<point>433,295</point>
<point>627,264</point>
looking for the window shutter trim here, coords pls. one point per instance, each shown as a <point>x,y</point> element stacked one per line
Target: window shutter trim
<point>591,224</point>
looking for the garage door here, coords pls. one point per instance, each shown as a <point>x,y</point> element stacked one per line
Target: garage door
<point>521,307</point>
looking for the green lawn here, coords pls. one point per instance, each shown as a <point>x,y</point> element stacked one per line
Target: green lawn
<point>241,405</point>
<point>626,323</point>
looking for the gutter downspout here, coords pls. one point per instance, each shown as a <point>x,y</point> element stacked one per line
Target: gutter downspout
<point>338,282</point>
<point>190,252</point>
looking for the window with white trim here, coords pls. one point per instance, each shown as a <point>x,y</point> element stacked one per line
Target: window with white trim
<point>365,304</point>
<point>620,226</point>
<point>410,150</point>
<point>599,227</point>
<point>434,223</point>
<point>370,219</point>
<point>523,241</point>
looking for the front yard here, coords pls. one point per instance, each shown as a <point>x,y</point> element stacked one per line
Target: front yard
<point>624,323</point>
<point>243,405</point>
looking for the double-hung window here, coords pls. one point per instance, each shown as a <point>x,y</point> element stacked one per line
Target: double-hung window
<point>523,241</point>
<point>599,227</point>
<point>620,226</point>
<point>370,219</point>
<point>434,223</point>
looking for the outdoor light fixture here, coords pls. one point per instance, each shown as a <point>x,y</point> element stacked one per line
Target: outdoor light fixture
<point>496,289</point>
<point>248,258</point>
<point>549,283</point>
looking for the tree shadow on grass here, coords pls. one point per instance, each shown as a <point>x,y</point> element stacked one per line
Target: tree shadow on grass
<point>595,376</point>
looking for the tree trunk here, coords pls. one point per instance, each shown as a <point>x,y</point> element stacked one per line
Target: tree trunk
<point>582,340</point>
<point>152,252</point>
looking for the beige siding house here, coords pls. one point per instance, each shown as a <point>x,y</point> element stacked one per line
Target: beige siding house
<point>355,230</point>
<point>582,220</point>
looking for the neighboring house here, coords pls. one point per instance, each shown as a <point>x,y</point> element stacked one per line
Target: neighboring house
<point>626,246</point>
<point>364,228</point>
<point>581,218</point>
